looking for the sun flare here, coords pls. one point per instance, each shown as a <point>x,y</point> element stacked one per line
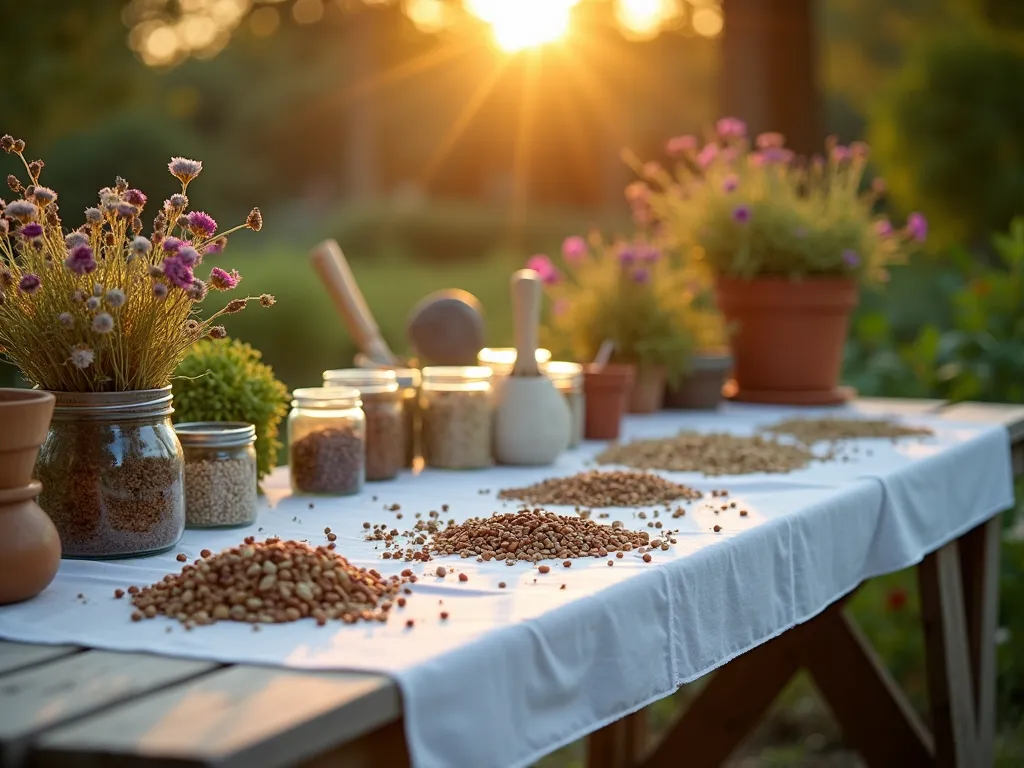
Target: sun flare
<point>519,24</point>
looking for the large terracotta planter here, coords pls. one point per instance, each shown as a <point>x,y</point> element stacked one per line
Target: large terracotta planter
<point>789,336</point>
<point>701,388</point>
<point>648,393</point>
<point>606,390</point>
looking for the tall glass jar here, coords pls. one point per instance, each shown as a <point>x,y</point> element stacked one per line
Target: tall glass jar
<point>385,422</point>
<point>113,474</point>
<point>326,441</point>
<point>409,382</point>
<point>220,473</point>
<point>457,413</point>
<point>568,379</point>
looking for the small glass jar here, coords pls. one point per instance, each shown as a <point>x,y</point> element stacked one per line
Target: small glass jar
<point>385,422</point>
<point>457,413</point>
<point>568,379</point>
<point>409,382</point>
<point>220,473</point>
<point>327,441</point>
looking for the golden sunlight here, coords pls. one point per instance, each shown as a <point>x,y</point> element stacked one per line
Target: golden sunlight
<point>524,23</point>
<point>644,19</point>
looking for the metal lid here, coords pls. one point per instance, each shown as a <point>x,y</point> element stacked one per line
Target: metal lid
<point>215,434</point>
<point>500,358</point>
<point>368,381</point>
<point>456,374</point>
<point>562,372</point>
<point>409,377</point>
<point>328,398</point>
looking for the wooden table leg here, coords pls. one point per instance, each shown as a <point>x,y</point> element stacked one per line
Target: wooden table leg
<point>620,744</point>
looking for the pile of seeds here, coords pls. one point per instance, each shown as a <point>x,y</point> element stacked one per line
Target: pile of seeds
<point>711,454</point>
<point>810,431</point>
<point>268,582</point>
<point>533,535</point>
<point>604,489</point>
<point>330,461</point>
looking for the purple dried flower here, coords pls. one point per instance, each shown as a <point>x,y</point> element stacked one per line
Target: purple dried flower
<point>140,246</point>
<point>840,154</point>
<point>641,275</point>
<point>172,244</point>
<point>126,210</point>
<point>883,228</point>
<point>136,197</point>
<point>30,230</point>
<point>217,246</point>
<point>22,210</point>
<point>103,323</point>
<point>92,303</point>
<point>66,319</point>
<point>201,223</point>
<point>680,145</point>
<point>81,260</point>
<point>75,239</point>
<point>93,216</point>
<point>730,183</point>
<point>176,202</point>
<point>777,155</point>
<point>115,298</point>
<point>254,220</point>
<point>160,290</point>
<point>184,170</point>
<point>731,128</point>
<point>82,356</point>
<point>770,139</point>
<point>917,226</point>
<point>177,273</point>
<point>197,291</point>
<point>741,214</point>
<point>542,265</point>
<point>707,155</point>
<point>44,196</point>
<point>6,277</point>
<point>626,254</point>
<point>850,258</point>
<point>222,280</point>
<point>574,249</point>
<point>29,283</point>
<point>188,256</point>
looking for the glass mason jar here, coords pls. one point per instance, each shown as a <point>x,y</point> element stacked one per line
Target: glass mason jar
<point>457,412</point>
<point>385,421</point>
<point>113,474</point>
<point>409,382</point>
<point>326,441</point>
<point>220,473</point>
<point>568,379</point>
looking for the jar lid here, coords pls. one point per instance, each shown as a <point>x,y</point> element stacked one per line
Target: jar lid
<point>215,434</point>
<point>561,371</point>
<point>331,398</point>
<point>368,381</point>
<point>505,357</point>
<point>456,374</point>
<point>408,377</point>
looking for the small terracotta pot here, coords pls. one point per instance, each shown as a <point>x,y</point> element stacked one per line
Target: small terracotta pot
<point>25,416</point>
<point>701,388</point>
<point>606,390</point>
<point>789,339</point>
<point>648,390</point>
<point>29,545</point>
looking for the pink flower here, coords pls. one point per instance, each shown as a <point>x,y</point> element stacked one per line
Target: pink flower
<point>850,258</point>
<point>222,280</point>
<point>81,260</point>
<point>172,244</point>
<point>730,183</point>
<point>574,249</point>
<point>188,256</point>
<point>883,228</point>
<point>766,140</point>
<point>917,227</point>
<point>741,214</point>
<point>707,155</point>
<point>178,273</point>
<point>641,275</point>
<point>135,197</point>
<point>840,154</point>
<point>680,145</point>
<point>542,265</point>
<point>29,283</point>
<point>626,254</point>
<point>731,128</point>
<point>202,224</point>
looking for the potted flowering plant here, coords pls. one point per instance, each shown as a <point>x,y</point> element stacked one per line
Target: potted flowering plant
<point>101,316</point>
<point>788,241</point>
<point>625,292</point>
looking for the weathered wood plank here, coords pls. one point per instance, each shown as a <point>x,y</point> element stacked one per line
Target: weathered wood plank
<point>14,656</point>
<point>989,413</point>
<point>239,717</point>
<point>47,695</point>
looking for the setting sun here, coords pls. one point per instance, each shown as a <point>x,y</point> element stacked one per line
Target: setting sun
<point>523,24</point>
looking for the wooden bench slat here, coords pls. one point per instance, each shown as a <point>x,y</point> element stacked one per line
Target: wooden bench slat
<point>244,717</point>
<point>14,656</point>
<point>897,406</point>
<point>992,413</point>
<point>47,695</point>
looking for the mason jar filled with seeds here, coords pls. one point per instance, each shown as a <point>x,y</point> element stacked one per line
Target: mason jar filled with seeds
<point>409,382</point>
<point>456,411</point>
<point>568,379</point>
<point>385,422</point>
<point>326,441</point>
<point>220,473</point>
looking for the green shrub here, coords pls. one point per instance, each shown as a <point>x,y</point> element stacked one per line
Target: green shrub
<point>225,381</point>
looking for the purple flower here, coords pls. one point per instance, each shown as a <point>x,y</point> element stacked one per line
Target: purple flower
<point>188,256</point>
<point>93,216</point>
<point>883,228</point>
<point>777,155</point>
<point>731,128</point>
<point>542,265</point>
<point>172,244</point>
<point>184,170</point>
<point>222,280</point>
<point>29,283</point>
<point>22,210</point>
<point>680,145</point>
<point>917,226</point>
<point>126,210</point>
<point>103,323</point>
<point>43,195</point>
<point>160,290</point>
<point>81,260</point>
<point>177,273</point>
<point>850,258</point>
<point>730,183</point>
<point>626,254</point>
<point>649,254</point>
<point>772,139</point>
<point>641,275</point>
<point>840,154</point>
<point>140,246</point>
<point>176,201</point>
<point>75,239</point>
<point>741,214</point>
<point>115,298</point>
<point>30,230</point>
<point>574,249</point>
<point>135,197</point>
<point>202,224</point>
<point>707,155</point>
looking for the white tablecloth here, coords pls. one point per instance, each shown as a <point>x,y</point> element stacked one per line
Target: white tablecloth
<point>515,673</point>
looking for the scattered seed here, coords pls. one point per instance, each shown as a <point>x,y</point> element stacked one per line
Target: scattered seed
<point>544,568</point>
<point>444,615</point>
<point>647,558</point>
<point>182,557</point>
<point>463,577</point>
<point>441,571</point>
<point>717,529</point>
<point>501,585</point>
<point>118,593</point>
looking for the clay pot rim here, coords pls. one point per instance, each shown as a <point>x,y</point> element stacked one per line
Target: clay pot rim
<point>613,376</point>
<point>14,397</point>
<point>22,493</point>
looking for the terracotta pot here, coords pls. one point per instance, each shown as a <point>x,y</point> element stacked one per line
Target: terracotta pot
<point>25,416</point>
<point>789,337</point>
<point>648,390</point>
<point>29,545</point>
<point>606,390</point>
<point>701,388</point>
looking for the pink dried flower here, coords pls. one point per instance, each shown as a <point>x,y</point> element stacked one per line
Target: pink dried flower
<point>542,265</point>
<point>7,143</point>
<point>267,300</point>
<point>741,214</point>
<point>75,239</point>
<point>574,249</point>
<point>171,244</point>
<point>178,273</point>
<point>93,216</point>
<point>707,155</point>
<point>730,183</point>
<point>81,260</point>
<point>840,154</point>
<point>197,291</point>
<point>917,227</point>
<point>29,283</point>
<point>82,356</point>
<point>883,228</point>
<point>188,256</point>
<point>140,246</point>
<point>160,290</point>
<point>126,210</point>
<point>680,145</point>
<point>222,280</point>
<point>731,128</point>
<point>184,170</point>
<point>201,223</point>
<point>136,197</point>
<point>770,139</point>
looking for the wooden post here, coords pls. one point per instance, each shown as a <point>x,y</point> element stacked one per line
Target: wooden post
<point>770,69</point>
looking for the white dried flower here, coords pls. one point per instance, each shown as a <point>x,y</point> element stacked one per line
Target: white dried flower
<point>66,319</point>
<point>103,323</point>
<point>92,303</point>
<point>115,298</point>
<point>82,356</point>
<point>75,239</point>
<point>141,246</point>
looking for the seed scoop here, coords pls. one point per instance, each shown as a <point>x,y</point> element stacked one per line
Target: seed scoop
<point>532,419</point>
